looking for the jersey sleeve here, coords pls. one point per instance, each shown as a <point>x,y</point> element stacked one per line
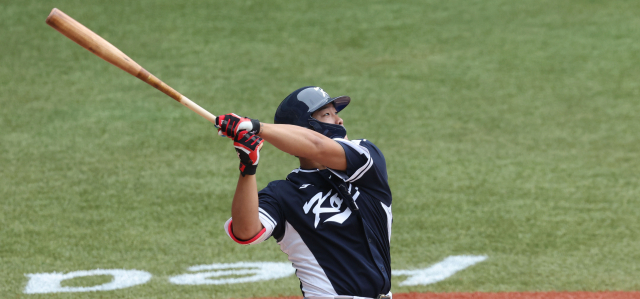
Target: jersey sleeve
<point>270,217</point>
<point>359,159</point>
<point>366,166</point>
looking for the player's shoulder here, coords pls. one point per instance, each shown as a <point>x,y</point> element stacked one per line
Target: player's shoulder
<point>361,145</point>
<point>357,142</point>
<point>365,143</point>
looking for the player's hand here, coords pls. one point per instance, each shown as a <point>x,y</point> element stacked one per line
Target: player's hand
<point>248,146</point>
<point>230,124</point>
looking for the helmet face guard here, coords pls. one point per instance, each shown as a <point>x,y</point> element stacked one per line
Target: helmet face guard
<point>297,108</point>
<point>329,130</point>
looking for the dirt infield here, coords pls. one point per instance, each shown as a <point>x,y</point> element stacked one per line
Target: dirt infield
<point>510,295</point>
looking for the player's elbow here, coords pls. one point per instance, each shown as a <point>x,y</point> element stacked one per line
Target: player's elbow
<point>328,153</point>
<point>244,233</point>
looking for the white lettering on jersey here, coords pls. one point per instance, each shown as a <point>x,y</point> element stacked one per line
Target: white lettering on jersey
<point>340,218</point>
<point>335,203</point>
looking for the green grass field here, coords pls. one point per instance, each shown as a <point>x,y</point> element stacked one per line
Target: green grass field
<point>510,130</point>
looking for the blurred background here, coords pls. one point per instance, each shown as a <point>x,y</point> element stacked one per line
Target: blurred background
<point>510,130</point>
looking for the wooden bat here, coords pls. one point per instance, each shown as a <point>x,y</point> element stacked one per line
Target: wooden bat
<point>99,46</point>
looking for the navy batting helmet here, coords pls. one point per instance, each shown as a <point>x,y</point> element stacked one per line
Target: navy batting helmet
<point>297,108</point>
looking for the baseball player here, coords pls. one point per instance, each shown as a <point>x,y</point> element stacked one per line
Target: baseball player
<point>332,215</point>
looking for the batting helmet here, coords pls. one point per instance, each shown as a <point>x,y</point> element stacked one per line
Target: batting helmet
<point>297,108</point>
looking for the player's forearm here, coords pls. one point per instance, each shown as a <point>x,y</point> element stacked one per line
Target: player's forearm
<point>291,139</point>
<point>305,143</point>
<point>244,209</point>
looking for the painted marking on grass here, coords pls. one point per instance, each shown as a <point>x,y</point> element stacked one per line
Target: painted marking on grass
<point>439,271</point>
<point>42,283</point>
<point>229,273</point>
<point>257,271</point>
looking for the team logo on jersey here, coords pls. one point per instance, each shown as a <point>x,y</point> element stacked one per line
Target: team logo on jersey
<point>335,203</point>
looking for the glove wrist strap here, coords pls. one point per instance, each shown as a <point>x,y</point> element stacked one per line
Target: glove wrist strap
<point>247,169</point>
<point>255,125</point>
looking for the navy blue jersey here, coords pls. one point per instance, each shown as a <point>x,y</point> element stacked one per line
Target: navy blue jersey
<point>335,249</point>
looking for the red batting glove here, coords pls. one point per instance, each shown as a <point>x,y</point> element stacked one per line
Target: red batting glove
<point>248,146</point>
<point>230,124</point>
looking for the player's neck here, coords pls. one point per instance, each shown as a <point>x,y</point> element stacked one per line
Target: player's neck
<point>310,164</point>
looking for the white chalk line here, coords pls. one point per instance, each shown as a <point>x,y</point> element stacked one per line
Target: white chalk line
<point>229,273</point>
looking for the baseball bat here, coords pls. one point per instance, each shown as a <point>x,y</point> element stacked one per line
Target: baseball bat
<point>103,49</point>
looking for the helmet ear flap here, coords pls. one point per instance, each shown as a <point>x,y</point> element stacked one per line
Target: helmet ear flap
<point>317,127</point>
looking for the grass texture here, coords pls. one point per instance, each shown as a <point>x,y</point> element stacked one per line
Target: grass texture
<point>510,130</point>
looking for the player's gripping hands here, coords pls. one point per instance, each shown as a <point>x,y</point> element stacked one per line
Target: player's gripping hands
<point>230,124</point>
<point>248,146</point>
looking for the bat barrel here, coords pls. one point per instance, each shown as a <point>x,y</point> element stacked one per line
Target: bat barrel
<point>89,40</point>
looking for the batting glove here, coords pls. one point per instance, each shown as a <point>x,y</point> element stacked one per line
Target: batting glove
<point>248,146</point>
<point>230,124</point>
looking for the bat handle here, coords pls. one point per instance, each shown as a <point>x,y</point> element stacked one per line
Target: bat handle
<point>197,109</point>
<point>152,80</point>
